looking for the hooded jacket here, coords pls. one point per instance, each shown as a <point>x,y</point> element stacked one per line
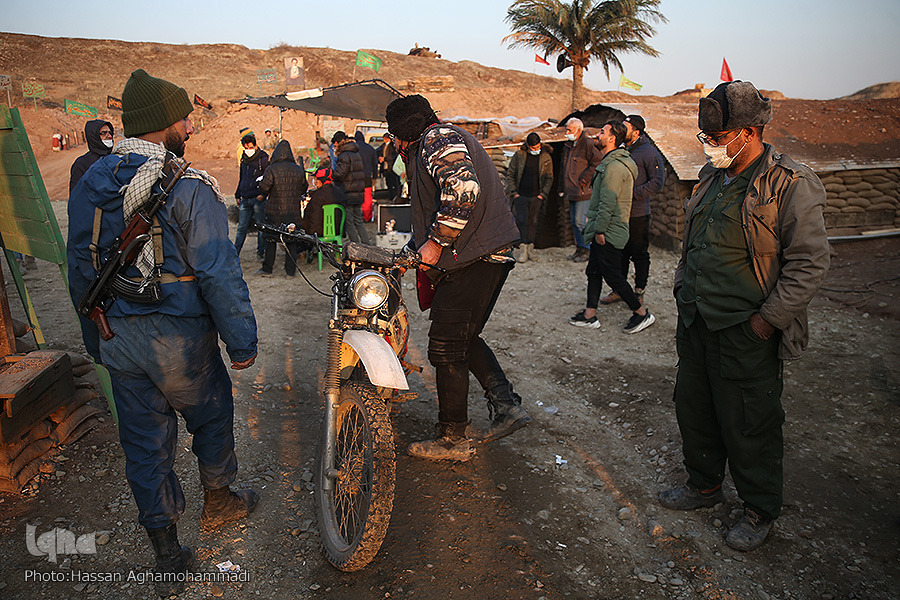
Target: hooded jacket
<point>252,168</point>
<point>784,228</point>
<point>517,166</point>
<point>195,248</point>
<point>610,206</point>
<point>96,150</point>
<point>284,182</point>
<point>651,174</point>
<point>349,173</point>
<point>369,156</point>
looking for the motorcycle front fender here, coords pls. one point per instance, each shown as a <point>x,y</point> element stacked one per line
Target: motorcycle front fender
<point>382,365</point>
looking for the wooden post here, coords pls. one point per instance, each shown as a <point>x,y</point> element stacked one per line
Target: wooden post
<point>8,338</point>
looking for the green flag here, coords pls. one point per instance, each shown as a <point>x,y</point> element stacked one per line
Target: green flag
<point>368,61</point>
<point>627,83</point>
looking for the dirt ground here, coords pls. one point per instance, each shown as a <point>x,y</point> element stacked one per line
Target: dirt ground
<point>565,508</point>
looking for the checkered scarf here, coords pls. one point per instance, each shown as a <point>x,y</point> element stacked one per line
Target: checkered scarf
<point>138,190</point>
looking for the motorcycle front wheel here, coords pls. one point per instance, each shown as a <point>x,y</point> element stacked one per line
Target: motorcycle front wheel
<point>354,513</point>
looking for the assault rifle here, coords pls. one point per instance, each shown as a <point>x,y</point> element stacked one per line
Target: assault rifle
<point>110,281</point>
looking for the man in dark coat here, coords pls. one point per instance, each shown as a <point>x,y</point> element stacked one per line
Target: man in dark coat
<point>99,136</point>
<point>350,175</point>
<point>462,223</point>
<point>250,200</point>
<point>579,161</point>
<point>283,183</point>
<point>324,193</point>
<point>387,155</point>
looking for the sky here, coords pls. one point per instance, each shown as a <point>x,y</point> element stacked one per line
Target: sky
<point>816,49</point>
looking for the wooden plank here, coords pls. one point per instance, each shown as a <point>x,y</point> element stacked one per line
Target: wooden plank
<point>24,378</point>
<point>7,337</point>
<point>18,186</point>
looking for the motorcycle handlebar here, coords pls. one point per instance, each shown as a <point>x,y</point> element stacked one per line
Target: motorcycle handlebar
<point>406,258</point>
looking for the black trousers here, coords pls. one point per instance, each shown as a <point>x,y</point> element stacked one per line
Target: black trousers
<point>463,302</point>
<point>605,262</point>
<point>290,257</point>
<point>637,250</point>
<point>527,209</point>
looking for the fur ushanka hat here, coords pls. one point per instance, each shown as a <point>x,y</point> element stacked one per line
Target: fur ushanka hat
<point>734,105</point>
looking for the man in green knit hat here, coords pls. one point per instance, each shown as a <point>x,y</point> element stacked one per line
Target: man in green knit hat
<point>164,356</point>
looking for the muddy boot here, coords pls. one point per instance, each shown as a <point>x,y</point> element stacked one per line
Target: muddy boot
<point>450,443</point>
<point>172,560</point>
<point>222,506</point>
<point>505,411</point>
<point>531,256</point>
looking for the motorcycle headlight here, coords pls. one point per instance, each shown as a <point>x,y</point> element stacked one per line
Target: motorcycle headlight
<point>369,290</point>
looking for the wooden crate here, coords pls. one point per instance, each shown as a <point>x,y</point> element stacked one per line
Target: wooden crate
<point>32,386</point>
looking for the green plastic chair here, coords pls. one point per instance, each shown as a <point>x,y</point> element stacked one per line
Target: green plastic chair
<point>333,232</point>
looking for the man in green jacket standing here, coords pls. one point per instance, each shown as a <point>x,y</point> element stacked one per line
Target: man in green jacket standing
<point>754,253</point>
<point>607,230</point>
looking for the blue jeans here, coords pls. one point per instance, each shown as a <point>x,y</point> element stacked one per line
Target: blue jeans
<point>160,364</point>
<point>578,215</point>
<point>250,209</point>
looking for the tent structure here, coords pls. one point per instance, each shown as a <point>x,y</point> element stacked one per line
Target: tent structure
<point>364,100</point>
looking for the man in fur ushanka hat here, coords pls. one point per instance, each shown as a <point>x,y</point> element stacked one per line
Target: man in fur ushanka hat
<point>754,253</point>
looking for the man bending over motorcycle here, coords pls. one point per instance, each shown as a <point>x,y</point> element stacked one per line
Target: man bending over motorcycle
<point>462,223</point>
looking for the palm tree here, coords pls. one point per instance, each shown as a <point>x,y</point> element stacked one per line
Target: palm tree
<point>584,30</point>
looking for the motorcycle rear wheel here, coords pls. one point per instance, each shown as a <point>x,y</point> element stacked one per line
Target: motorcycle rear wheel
<point>354,514</point>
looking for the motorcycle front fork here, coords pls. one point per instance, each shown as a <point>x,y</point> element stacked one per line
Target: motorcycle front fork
<point>332,394</point>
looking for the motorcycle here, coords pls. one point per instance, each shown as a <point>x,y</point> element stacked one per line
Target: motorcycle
<point>365,372</point>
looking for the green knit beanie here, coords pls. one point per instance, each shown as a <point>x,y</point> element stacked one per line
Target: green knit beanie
<point>151,104</point>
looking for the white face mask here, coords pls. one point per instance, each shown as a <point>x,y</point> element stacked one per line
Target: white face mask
<point>570,137</point>
<point>533,152</point>
<point>717,156</point>
<point>249,152</point>
<point>108,143</point>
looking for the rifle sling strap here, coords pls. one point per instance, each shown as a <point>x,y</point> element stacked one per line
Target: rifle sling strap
<point>155,237</point>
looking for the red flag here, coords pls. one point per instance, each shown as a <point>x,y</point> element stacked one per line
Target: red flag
<point>201,102</point>
<point>538,59</point>
<point>726,72</point>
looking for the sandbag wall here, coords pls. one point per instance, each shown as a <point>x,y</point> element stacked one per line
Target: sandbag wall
<point>862,199</point>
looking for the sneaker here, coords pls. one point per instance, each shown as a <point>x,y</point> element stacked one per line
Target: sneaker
<point>580,321</point>
<point>750,532</point>
<point>506,417</point>
<point>688,497</point>
<point>610,298</point>
<point>581,255</point>
<point>639,323</point>
<point>263,273</point>
<point>450,443</point>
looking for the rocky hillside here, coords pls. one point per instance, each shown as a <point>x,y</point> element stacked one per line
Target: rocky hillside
<point>891,89</point>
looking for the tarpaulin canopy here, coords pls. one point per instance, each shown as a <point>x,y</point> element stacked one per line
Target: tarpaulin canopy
<point>365,100</point>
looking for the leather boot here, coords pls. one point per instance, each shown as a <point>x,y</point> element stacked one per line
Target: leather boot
<point>450,443</point>
<point>531,256</point>
<point>505,411</point>
<point>223,506</point>
<point>172,560</point>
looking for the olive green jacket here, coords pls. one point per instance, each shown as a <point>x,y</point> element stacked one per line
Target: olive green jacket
<point>517,165</point>
<point>784,228</point>
<point>610,207</point>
